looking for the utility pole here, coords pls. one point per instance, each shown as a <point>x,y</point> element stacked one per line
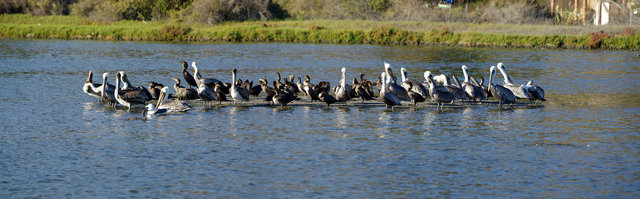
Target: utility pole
<point>584,12</point>
<point>575,11</point>
<point>599,12</point>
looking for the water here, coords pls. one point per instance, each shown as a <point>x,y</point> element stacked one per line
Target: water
<point>58,142</point>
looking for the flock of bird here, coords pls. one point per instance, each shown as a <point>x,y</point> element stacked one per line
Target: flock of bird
<point>437,88</point>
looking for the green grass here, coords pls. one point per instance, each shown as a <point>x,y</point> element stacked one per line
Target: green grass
<point>332,31</point>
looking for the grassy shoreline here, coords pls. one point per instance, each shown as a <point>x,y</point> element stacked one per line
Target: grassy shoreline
<point>332,31</point>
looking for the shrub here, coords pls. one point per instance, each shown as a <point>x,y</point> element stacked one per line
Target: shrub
<point>595,39</point>
<point>171,32</point>
<point>214,11</point>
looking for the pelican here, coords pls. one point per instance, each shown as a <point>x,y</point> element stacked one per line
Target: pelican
<point>440,96</point>
<point>128,98</point>
<point>456,88</point>
<point>504,95</point>
<point>393,86</point>
<point>107,94</point>
<point>428,75</point>
<point>237,93</point>
<point>187,76</point>
<point>536,92</point>
<point>208,81</point>
<point>184,93</point>
<point>90,88</point>
<point>206,93</point>
<point>417,87</point>
<point>473,92</point>
<point>152,110</point>
<point>518,91</point>
<point>343,92</point>
<point>172,106</point>
<point>389,98</point>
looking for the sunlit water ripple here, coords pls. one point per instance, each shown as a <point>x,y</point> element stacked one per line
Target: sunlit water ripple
<point>58,142</point>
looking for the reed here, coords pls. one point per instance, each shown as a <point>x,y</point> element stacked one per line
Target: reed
<point>333,32</point>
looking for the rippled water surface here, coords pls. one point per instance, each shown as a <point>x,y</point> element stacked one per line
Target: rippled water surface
<point>56,141</point>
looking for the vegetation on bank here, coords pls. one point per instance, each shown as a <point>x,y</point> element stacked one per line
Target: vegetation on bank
<point>310,31</point>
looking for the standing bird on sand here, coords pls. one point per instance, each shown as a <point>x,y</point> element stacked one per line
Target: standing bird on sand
<point>343,91</point>
<point>220,93</point>
<point>519,91</point>
<point>473,92</point>
<point>172,106</point>
<point>389,98</point>
<point>502,94</point>
<point>211,82</point>
<point>187,76</point>
<point>128,98</point>
<point>417,87</point>
<point>237,93</point>
<point>206,93</point>
<point>393,86</point>
<point>535,92</point>
<point>440,96</point>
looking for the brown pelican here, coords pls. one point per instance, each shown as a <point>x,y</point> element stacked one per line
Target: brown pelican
<point>106,94</point>
<point>518,91</point>
<point>208,81</point>
<point>440,96</point>
<point>415,97</point>
<point>326,98</point>
<point>456,88</point>
<point>152,110</point>
<point>187,76</point>
<point>473,92</point>
<point>237,93</point>
<point>128,98</point>
<point>90,88</point>
<point>393,86</point>
<point>206,93</point>
<point>504,95</point>
<point>184,93</point>
<point>417,87</point>
<point>535,92</point>
<point>389,98</point>
<point>172,106</point>
<point>343,91</point>
<point>428,75</point>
